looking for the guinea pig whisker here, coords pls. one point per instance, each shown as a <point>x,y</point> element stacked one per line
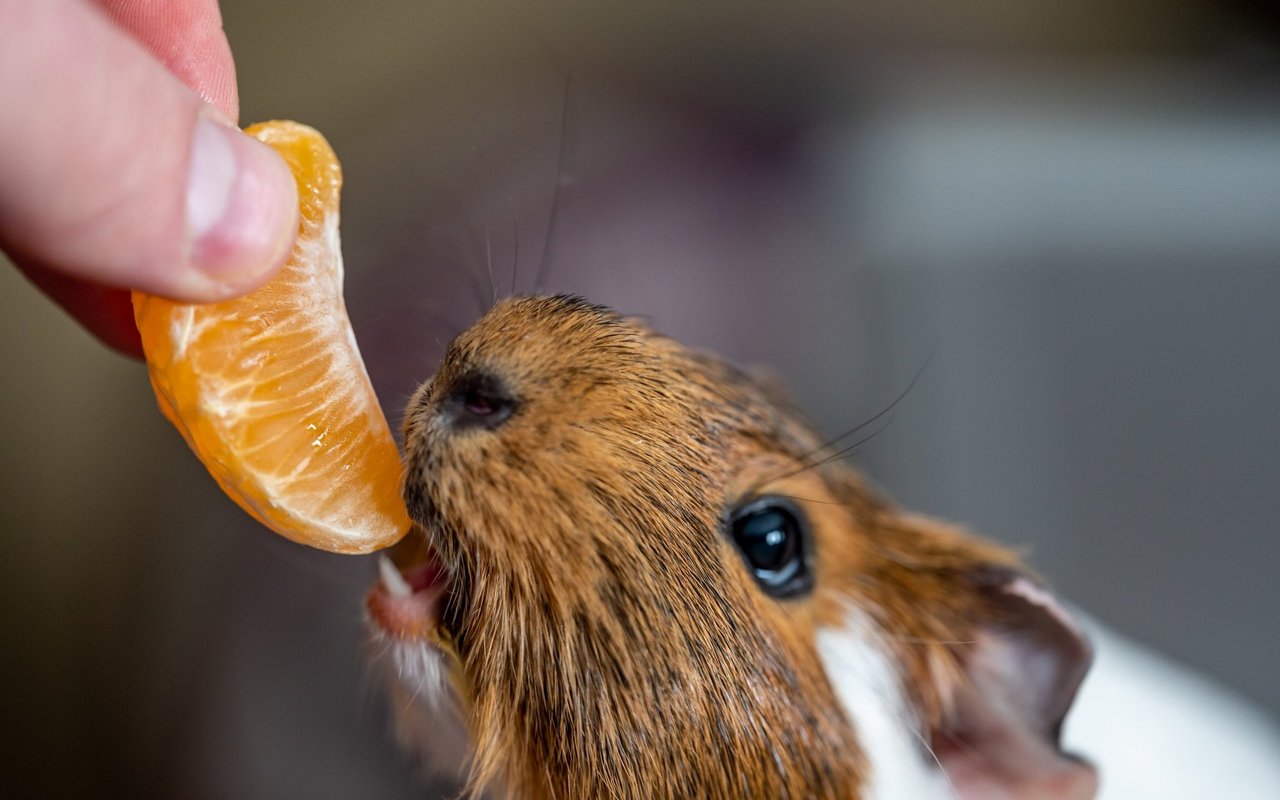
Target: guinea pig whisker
<point>422,681</point>
<point>942,770</point>
<point>912,726</point>
<point>515,224</point>
<point>848,451</point>
<point>827,458</point>
<point>887,410</point>
<point>924,640</point>
<point>549,233</point>
<point>488,264</point>
<point>476,282</point>
<point>515,247</point>
<point>821,452</point>
<point>372,682</point>
<point>811,500</point>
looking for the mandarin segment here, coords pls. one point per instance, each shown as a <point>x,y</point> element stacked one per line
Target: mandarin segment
<point>270,391</point>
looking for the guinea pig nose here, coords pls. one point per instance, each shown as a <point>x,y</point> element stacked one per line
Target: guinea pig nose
<point>479,399</point>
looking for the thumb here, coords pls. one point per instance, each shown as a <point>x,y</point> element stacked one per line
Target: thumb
<point>114,172</point>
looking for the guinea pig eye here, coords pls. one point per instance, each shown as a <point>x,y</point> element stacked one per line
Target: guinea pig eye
<point>479,399</point>
<point>772,536</point>
<point>482,405</point>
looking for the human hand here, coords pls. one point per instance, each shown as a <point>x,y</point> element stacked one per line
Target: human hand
<point>120,166</point>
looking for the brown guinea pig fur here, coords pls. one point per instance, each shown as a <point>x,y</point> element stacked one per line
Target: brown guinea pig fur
<point>585,595</point>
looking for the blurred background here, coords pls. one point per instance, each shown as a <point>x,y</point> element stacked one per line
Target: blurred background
<point>1074,206</point>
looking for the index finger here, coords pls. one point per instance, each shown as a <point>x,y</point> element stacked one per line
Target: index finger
<point>187,37</point>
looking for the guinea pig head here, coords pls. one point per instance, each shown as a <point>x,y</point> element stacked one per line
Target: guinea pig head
<point>636,572</point>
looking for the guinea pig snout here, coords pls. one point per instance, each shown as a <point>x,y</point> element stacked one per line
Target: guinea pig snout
<point>450,434</point>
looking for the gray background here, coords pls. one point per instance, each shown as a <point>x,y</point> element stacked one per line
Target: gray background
<point>1072,207</point>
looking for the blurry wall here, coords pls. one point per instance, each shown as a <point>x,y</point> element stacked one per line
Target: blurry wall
<point>1071,206</point>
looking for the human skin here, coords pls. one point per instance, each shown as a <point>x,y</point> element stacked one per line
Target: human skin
<point>123,168</point>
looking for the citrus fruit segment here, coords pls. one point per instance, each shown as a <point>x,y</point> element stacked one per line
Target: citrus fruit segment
<point>270,390</point>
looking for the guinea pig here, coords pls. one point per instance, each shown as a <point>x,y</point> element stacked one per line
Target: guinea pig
<point>637,572</point>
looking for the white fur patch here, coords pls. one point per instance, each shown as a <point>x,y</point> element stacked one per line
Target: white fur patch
<point>869,686</point>
<point>425,717</point>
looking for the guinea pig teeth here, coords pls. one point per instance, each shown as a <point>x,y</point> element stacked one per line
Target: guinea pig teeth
<point>392,580</point>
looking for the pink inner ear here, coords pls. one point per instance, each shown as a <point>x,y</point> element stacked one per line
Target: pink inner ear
<point>1001,740</point>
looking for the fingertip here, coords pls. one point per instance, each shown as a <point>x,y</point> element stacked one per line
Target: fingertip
<point>186,37</point>
<point>119,175</point>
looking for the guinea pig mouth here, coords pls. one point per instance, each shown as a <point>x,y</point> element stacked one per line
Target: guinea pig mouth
<point>408,600</point>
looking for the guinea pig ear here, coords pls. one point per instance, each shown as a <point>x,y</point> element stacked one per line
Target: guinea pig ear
<point>1000,737</point>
